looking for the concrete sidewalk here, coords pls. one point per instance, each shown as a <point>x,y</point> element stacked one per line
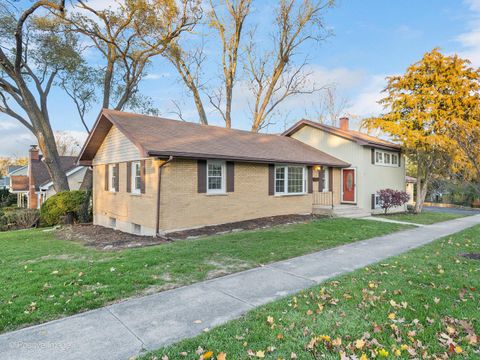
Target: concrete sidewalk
<point>125,329</point>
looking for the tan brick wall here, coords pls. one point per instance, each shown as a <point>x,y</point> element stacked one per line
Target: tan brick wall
<point>183,207</point>
<point>127,208</point>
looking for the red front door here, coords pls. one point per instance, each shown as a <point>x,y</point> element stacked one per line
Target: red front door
<point>348,185</point>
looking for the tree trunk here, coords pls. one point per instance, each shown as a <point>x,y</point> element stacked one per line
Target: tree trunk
<point>107,80</point>
<point>46,141</point>
<point>52,161</point>
<point>87,182</point>
<point>228,104</point>
<point>422,187</point>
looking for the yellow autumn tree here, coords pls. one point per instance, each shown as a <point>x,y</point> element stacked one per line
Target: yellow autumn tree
<point>433,112</point>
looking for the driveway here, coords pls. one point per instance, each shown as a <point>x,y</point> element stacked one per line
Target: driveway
<point>136,325</point>
<point>452,210</point>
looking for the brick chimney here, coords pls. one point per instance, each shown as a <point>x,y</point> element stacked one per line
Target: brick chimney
<point>344,123</point>
<point>32,193</point>
<point>34,153</point>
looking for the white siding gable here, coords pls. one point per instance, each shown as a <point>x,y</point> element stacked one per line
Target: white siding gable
<point>116,148</point>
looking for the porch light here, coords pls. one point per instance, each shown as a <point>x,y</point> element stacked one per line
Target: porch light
<point>318,167</point>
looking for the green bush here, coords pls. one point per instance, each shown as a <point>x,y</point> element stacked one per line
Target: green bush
<point>64,207</point>
<point>15,218</point>
<point>7,198</point>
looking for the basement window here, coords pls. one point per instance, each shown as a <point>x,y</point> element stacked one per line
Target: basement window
<point>113,222</point>
<point>137,229</point>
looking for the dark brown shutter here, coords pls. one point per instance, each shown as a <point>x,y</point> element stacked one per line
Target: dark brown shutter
<point>202,176</point>
<point>321,180</point>
<point>310,179</point>
<point>373,156</point>
<point>142,176</point>
<point>330,179</point>
<point>230,176</point>
<point>117,178</point>
<point>129,177</point>
<point>399,159</point>
<point>271,179</point>
<point>373,201</point>
<point>106,177</point>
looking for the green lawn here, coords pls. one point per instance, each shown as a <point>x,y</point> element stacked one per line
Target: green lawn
<point>422,304</point>
<point>425,217</point>
<point>42,278</point>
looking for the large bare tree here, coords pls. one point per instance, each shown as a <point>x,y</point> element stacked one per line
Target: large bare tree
<point>189,67</point>
<point>33,52</point>
<point>229,29</point>
<point>128,37</point>
<point>330,106</point>
<point>273,75</point>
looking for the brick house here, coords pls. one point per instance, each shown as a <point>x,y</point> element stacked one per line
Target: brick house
<point>33,184</point>
<point>153,175</point>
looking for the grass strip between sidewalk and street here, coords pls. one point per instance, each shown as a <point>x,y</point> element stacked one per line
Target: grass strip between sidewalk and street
<point>421,304</point>
<point>424,218</point>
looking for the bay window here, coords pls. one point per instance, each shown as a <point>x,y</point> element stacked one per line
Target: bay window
<point>290,180</point>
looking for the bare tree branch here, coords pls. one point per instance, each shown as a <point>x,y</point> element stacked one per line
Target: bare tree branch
<point>273,76</point>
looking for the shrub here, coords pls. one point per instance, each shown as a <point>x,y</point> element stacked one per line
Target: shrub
<point>7,198</point>
<point>392,198</point>
<point>14,219</point>
<point>62,208</point>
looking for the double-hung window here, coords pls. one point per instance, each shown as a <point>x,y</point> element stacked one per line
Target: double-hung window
<point>290,180</point>
<point>112,177</point>
<point>136,177</point>
<point>215,177</point>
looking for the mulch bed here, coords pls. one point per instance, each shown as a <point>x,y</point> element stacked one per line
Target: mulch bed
<point>103,238</point>
<point>260,223</point>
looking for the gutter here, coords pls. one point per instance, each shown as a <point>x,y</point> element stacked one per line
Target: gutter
<point>157,225</point>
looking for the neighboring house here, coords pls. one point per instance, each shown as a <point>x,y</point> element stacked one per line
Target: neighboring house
<point>153,175</point>
<point>375,164</point>
<point>33,184</point>
<point>5,180</point>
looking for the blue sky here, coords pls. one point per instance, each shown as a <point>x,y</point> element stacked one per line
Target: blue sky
<point>372,39</point>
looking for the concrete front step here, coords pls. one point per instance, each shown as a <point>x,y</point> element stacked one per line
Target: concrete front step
<point>348,211</point>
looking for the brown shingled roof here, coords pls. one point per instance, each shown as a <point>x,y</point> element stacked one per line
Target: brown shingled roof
<point>359,137</point>
<point>40,171</point>
<point>155,136</point>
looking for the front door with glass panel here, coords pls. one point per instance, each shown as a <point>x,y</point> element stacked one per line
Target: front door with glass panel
<point>348,185</point>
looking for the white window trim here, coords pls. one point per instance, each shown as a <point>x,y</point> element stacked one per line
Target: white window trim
<point>378,205</point>
<point>285,185</point>
<point>382,163</point>
<point>133,175</point>
<point>224,178</point>
<point>111,184</point>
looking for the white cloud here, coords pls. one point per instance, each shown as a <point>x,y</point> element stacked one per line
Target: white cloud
<point>15,138</point>
<point>156,76</point>
<point>470,40</point>
<point>365,103</point>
